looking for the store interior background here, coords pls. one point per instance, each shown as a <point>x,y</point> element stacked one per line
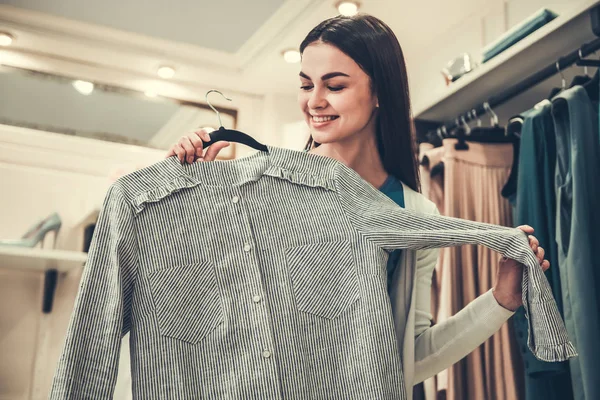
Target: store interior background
<point>234,46</point>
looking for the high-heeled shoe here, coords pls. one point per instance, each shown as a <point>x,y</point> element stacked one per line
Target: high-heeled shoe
<point>37,233</point>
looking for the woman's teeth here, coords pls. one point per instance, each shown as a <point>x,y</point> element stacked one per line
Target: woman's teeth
<point>323,119</point>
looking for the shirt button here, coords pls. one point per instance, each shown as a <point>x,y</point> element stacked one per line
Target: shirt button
<point>247,247</point>
<point>266,354</point>
<point>256,299</point>
<point>235,199</point>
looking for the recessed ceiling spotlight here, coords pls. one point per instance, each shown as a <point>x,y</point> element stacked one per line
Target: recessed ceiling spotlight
<point>83,87</point>
<point>348,8</point>
<point>166,72</point>
<point>6,39</point>
<point>291,56</point>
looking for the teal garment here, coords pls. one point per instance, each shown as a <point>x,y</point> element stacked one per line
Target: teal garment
<point>393,189</point>
<point>519,32</point>
<point>536,207</point>
<point>577,235</point>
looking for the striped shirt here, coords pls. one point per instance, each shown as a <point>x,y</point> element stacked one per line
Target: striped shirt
<point>261,277</point>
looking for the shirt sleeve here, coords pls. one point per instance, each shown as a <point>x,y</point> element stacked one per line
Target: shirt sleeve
<point>383,222</point>
<point>88,365</point>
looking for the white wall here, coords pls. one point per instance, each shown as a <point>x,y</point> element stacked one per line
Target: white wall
<point>470,35</point>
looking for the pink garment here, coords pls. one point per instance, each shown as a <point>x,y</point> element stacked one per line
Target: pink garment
<point>473,180</point>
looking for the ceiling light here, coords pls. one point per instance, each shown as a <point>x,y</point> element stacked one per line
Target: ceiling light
<point>291,56</point>
<point>348,8</point>
<point>6,39</point>
<point>166,72</point>
<point>83,87</point>
<point>150,93</point>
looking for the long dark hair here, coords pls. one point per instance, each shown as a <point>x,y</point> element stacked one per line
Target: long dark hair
<point>375,48</point>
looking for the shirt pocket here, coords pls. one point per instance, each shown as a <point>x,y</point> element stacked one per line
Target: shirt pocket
<point>187,301</point>
<point>324,277</point>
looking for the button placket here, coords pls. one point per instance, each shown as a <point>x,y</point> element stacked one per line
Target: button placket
<point>256,290</point>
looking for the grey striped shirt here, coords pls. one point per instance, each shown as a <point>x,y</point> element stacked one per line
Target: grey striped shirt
<point>262,277</point>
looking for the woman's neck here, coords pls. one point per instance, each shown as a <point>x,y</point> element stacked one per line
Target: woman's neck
<point>360,155</point>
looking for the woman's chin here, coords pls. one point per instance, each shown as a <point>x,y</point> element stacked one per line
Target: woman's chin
<point>324,137</point>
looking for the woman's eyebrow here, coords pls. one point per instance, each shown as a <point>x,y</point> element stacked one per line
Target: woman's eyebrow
<point>326,76</point>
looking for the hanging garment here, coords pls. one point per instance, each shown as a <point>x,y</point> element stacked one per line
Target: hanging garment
<point>577,237</point>
<point>264,277</point>
<point>536,207</point>
<point>473,180</point>
<point>432,180</point>
<point>432,187</point>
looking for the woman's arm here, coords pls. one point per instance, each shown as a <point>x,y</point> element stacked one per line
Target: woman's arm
<point>440,346</point>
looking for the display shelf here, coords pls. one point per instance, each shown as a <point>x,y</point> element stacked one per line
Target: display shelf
<point>50,262</point>
<point>544,46</point>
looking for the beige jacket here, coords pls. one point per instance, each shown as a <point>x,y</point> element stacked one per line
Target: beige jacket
<point>427,350</point>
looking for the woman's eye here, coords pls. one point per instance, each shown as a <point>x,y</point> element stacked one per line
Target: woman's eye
<point>335,88</point>
<point>306,87</point>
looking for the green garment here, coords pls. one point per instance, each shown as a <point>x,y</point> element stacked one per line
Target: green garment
<point>536,207</point>
<point>577,232</point>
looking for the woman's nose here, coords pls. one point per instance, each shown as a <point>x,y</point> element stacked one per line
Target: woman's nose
<point>316,100</point>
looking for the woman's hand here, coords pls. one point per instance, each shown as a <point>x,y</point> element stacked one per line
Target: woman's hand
<point>190,148</point>
<point>507,290</point>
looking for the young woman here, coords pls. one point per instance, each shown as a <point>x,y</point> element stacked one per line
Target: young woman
<point>355,99</point>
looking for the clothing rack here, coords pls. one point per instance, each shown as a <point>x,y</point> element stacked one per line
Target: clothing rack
<point>531,81</point>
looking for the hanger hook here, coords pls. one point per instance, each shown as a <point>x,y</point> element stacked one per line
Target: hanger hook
<point>474,111</point>
<point>487,108</point>
<point>564,83</point>
<point>585,70</point>
<point>211,106</point>
<point>439,133</point>
<point>464,122</point>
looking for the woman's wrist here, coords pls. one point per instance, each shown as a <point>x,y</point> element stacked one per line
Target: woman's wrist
<point>507,300</point>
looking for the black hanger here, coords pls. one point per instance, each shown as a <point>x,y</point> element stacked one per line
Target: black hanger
<point>230,135</point>
<point>461,132</point>
<point>580,80</point>
<point>513,131</point>
<point>592,87</point>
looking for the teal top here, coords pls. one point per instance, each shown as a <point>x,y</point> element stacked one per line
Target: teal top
<point>393,189</point>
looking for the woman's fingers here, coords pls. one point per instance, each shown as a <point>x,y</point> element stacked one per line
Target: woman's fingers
<point>213,150</point>
<point>533,242</point>
<point>188,147</point>
<point>540,254</point>
<point>196,139</point>
<point>179,151</point>
<point>545,265</point>
<point>526,228</point>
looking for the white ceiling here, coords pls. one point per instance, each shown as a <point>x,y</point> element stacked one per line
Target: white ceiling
<point>222,25</point>
<point>232,45</point>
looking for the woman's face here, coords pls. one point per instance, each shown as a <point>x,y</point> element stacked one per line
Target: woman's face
<point>335,95</point>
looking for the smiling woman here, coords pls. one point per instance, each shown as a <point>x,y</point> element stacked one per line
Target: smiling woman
<point>353,70</point>
<point>355,99</point>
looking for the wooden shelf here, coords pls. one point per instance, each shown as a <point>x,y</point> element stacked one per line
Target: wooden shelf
<point>543,47</point>
<point>40,260</point>
<point>50,262</point>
